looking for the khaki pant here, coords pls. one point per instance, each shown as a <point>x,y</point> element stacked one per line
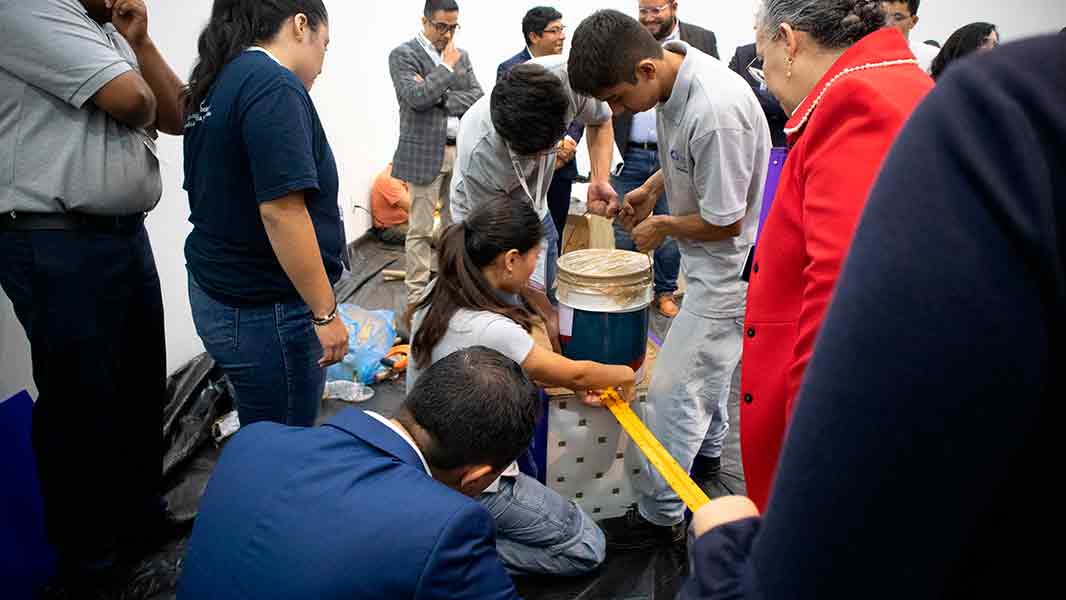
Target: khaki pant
<point>425,200</point>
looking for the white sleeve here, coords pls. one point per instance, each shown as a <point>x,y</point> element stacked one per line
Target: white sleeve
<point>508,338</point>
<point>721,174</point>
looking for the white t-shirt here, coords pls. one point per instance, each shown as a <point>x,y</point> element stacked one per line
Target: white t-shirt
<point>924,53</point>
<point>714,147</point>
<point>476,328</point>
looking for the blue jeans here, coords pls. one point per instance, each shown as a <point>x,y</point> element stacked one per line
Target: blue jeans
<point>548,261</point>
<point>269,354</point>
<point>639,165</point>
<point>539,531</point>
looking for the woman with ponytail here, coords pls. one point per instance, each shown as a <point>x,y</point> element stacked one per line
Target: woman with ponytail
<point>485,263</point>
<point>267,240</point>
<point>849,84</point>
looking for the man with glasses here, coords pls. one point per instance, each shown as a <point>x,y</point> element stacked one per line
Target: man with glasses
<point>435,86</point>
<point>747,64</point>
<point>508,147</point>
<point>637,142</point>
<point>544,35</point>
<point>903,15</point>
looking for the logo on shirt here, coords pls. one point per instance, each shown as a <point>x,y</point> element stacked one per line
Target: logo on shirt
<point>197,117</point>
<point>680,163</point>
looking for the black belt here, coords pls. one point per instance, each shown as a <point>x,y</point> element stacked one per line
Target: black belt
<point>450,142</point>
<point>29,221</point>
<point>652,146</point>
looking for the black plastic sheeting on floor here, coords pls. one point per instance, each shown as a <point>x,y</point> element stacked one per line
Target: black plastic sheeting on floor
<point>198,396</point>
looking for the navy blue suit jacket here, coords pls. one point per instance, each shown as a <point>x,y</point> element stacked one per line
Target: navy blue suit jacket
<point>576,130</point>
<point>345,510</point>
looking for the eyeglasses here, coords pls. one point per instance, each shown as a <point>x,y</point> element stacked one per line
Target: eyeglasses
<point>654,10</point>
<point>897,17</point>
<point>756,71</point>
<point>556,30</point>
<point>444,28</point>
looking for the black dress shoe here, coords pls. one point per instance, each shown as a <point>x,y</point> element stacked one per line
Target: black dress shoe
<point>632,531</point>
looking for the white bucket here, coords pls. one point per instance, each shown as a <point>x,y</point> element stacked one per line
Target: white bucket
<point>606,281</point>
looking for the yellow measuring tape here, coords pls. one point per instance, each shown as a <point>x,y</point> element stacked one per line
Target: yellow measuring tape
<point>678,478</point>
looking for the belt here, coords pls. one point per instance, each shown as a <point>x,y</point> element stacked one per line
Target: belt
<point>70,221</point>
<point>450,142</point>
<point>652,146</point>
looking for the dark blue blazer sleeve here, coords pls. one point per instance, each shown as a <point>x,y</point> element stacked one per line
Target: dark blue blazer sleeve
<point>464,563</point>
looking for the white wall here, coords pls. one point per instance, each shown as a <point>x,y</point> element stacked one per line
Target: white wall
<point>357,104</point>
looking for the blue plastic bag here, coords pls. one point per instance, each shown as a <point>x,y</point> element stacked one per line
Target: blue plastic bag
<point>370,336</point>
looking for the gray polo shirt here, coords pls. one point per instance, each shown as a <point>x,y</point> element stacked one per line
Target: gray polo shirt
<point>58,152</point>
<point>483,167</point>
<point>714,147</point>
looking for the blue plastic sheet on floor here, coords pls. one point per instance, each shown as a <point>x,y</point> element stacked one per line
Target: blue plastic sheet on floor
<point>26,559</point>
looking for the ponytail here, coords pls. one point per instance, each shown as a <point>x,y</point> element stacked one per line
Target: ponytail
<point>466,248</point>
<point>234,26</point>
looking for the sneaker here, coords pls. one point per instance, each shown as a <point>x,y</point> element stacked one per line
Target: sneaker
<point>632,531</point>
<point>667,305</point>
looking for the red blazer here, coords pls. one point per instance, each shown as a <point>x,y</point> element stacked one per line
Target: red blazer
<point>838,138</point>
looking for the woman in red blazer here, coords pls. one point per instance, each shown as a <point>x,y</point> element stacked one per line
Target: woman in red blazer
<point>849,85</point>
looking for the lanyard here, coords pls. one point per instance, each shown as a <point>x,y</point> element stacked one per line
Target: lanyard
<point>536,201</point>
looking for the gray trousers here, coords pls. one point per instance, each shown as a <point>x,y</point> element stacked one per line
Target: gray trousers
<point>425,200</point>
<point>688,403</point>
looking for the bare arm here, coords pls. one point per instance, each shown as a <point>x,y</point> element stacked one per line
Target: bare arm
<point>292,236</point>
<point>602,199</point>
<point>650,234</point>
<point>128,99</point>
<point>554,369</point>
<point>130,18</point>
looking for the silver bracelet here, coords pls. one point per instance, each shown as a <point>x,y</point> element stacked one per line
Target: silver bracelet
<point>326,320</point>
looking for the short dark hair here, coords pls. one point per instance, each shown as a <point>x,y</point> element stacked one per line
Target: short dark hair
<point>528,108</point>
<point>912,5</point>
<point>476,407</point>
<point>537,19</point>
<point>435,6</point>
<point>606,49</point>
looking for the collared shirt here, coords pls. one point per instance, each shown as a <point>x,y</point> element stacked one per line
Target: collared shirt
<point>403,434</point>
<point>714,147</point>
<point>925,54</point>
<point>58,151</point>
<point>643,129</point>
<point>453,121</point>
<point>483,166</point>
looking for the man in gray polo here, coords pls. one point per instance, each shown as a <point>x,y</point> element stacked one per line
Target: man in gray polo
<point>507,147</point>
<point>82,91</point>
<point>714,147</point>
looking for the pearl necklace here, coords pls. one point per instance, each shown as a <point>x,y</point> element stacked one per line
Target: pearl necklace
<point>890,63</point>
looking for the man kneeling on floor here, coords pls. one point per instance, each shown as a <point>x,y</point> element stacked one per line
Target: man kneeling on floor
<point>365,506</point>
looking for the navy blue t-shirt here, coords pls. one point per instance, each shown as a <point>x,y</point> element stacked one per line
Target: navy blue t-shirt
<point>255,138</point>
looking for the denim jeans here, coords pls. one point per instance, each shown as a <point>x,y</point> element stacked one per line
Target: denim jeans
<point>548,260</point>
<point>688,403</point>
<point>539,531</point>
<point>639,165</point>
<point>269,354</point>
<point>93,312</point>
